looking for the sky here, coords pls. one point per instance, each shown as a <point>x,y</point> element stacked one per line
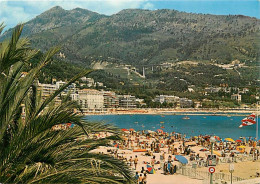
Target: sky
<point>13,12</point>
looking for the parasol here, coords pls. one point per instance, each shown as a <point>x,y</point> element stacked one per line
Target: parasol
<point>217,153</point>
<point>229,140</point>
<point>181,159</point>
<point>150,169</point>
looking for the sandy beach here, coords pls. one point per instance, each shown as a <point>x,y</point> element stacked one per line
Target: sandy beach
<point>173,111</point>
<point>156,149</point>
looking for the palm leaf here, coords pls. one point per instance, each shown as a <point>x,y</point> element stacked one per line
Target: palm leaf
<point>30,151</point>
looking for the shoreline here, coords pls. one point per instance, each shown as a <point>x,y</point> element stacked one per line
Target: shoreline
<point>188,112</point>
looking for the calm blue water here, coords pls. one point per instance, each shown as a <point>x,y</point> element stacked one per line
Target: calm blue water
<point>221,126</point>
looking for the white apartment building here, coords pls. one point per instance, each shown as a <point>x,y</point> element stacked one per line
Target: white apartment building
<point>111,100</point>
<point>90,100</point>
<point>185,103</point>
<point>46,89</point>
<point>166,99</point>
<point>59,84</point>
<point>90,82</point>
<point>236,97</point>
<point>127,101</point>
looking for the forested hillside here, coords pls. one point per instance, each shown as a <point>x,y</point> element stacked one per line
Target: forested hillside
<point>136,36</point>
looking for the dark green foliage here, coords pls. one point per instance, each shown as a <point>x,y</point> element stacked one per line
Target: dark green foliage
<point>30,150</point>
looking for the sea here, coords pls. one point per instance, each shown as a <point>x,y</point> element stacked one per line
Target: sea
<point>224,126</point>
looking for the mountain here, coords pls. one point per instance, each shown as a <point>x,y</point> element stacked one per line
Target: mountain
<point>137,37</point>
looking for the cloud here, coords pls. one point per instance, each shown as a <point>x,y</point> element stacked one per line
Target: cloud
<point>148,6</point>
<point>16,16</point>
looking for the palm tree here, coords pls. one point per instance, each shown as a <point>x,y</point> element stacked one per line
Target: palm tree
<point>30,151</point>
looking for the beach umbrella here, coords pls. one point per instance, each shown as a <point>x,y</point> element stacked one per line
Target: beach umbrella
<point>238,140</point>
<point>116,145</point>
<point>217,153</point>
<point>150,169</point>
<point>229,140</point>
<point>241,147</point>
<point>217,138</point>
<point>181,159</point>
<point>159,130</point>
<point>124,129</point>
<point>131,129</point>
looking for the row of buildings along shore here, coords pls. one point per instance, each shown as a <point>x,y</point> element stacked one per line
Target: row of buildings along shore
<point>92,100</point>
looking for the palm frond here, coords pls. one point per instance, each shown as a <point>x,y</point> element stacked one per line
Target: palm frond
<point>30,151</point>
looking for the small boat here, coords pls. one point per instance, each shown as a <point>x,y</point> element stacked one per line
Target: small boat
<point>186,117</point>
<point>162,122</point>
<point>142,125</point>
<point>136,122</point>
<point>162,127</point>
<point>162,116</point>
<point>204,117</point>
<point>229,116</point>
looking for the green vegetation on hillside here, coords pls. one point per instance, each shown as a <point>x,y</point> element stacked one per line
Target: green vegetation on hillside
<point>143,37</point>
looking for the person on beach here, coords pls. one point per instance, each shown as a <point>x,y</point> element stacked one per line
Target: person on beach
<point>197,157</point>
<point>172,149</point>
<point>174,169</point>
<point>153,161</point>
<point>169,158</point>
<point>145,179</point>
<point>180,148</point>
<point>131,160</point>
<point>135,161</point>
<point>162,159</point>
<point>132,144</point>
<point>140,180</point>
<point>144,171</point>
<point>165,168</point>
<point>136,176</point>
<point>169,167</point>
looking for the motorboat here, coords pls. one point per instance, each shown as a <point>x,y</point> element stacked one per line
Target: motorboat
<point>186,117</point>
